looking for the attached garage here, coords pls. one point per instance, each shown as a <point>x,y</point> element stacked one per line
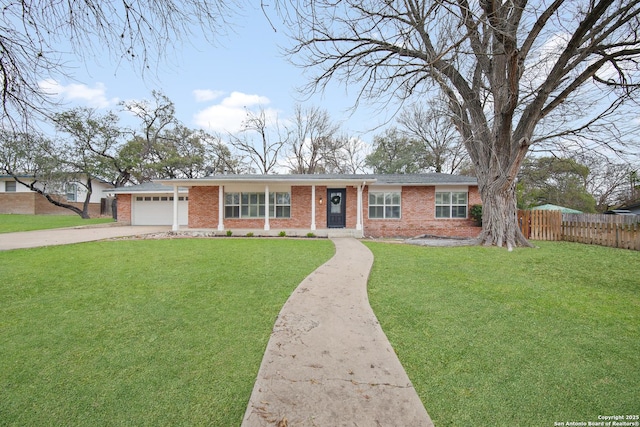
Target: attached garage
<point>151,204</point>
<point>157,209</point>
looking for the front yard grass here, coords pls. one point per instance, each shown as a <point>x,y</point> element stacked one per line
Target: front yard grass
<point>172,332</point>
<point>529,338</point>
<point>144,333</point>
<point>10,223</point>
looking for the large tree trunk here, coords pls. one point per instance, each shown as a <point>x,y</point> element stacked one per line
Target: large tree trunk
<point>500,215</point>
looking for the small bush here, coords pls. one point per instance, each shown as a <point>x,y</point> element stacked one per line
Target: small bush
<point>282,233</point>
<point>229,233</point>
<point>311,235</point>
<point>250,234</point>
<point>476,213</point>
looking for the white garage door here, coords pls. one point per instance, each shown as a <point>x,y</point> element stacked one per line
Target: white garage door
<point>158,210</point>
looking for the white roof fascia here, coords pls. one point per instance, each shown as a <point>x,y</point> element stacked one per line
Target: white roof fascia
<point>269,180</point>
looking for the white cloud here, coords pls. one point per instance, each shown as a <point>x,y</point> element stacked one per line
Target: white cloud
<point>91,96</point>
<point>203,95</point>
<point>228,115</point>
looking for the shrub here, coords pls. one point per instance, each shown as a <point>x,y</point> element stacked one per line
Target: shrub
<point>282,233</point>
<point>476,213</point>
<point>250,234</point>
<point>229,233</point>
<point>311,235</point>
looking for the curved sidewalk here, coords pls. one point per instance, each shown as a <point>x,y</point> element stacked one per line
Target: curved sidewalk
<point>328,363</point>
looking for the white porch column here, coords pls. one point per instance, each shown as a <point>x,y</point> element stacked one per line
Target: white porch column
<point>176,225</point>
<point>359,214</point>
<point>266,208</point>
<point>313,207</point>
<point>221,208</point>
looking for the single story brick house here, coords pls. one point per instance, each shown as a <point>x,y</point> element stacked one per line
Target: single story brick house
<point>358,205</point>
<point>16,198</point>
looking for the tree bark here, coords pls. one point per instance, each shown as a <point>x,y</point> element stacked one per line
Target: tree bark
<point>500,215</point>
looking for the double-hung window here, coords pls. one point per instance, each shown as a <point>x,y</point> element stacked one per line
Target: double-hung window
<point>451,204</point>
<point>279,205</point>
<point>384,205</point>
<point>252,205</point>
<point>71,192</point>
<point>232,205</point>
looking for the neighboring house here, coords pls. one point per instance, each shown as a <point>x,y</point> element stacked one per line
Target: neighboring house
<point>634,208</point>
<point>358,205</point>
<point>550,207</point>
<point>16,198</point>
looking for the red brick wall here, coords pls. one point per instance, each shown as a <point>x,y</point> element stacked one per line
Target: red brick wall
<point>17,203</point>
<point>352,207</point>
<point>418,213</point>
<point>31,203</point>
<point>124,208</point>
<point>321,209</point>
<point>418,217</point>
<point>203,210</point>
<point>474,196</point>
<point>203,207</point>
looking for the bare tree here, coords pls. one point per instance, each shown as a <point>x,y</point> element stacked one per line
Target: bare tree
<point>140,32</point>
<point>263,153</point>
<point>347,155</point>
<point>164,148</point>
<point>431,126</point>
<point>504,67</point>
<point>311,135</point>
<point>608,180</point>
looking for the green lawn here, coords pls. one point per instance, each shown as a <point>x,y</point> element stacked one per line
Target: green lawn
<point>10,223</point>
<point>155,333</point>
<point>172,332</point>
<point>529,338</point>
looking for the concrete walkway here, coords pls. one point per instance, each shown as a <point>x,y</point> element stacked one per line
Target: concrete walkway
<point>65,236</point>
<point>328,363</point>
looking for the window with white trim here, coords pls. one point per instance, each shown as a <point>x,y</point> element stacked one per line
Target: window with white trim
<point>10,186</point>
<point>71,192</point>
<point>451,204</point>
<point>279,205</point>
<point>384,205</point>
<point>252,205</point>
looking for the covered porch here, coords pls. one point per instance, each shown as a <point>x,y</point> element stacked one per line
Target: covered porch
<point>273,205</point>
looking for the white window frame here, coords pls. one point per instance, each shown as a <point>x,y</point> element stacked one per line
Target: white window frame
<point>387,204</point>
<point>451,204</point>
<point>283,204</point>
<point>250,202</point>
<point>71,189</point>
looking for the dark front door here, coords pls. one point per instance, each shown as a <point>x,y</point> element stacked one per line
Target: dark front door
<point>336,210</point>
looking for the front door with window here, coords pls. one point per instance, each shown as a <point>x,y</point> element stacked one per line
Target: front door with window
<point>336,208</point>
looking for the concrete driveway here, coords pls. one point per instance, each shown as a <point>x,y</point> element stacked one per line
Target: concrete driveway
<point>65,236</point>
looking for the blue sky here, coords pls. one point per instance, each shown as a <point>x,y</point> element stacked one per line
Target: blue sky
<point>212,85</point>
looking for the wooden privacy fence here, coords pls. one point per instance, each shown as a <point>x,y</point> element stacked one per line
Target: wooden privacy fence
<point>617,231</point>
<point>541,225</point>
